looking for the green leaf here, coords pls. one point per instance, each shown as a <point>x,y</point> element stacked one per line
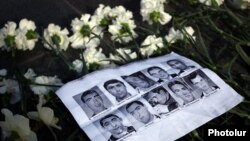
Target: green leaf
<point>155,16</point>
<point>31,35</point>
<point>56,39</point>
<point>104,22</point>
<point>146,29</point>
<point>85,30</point>
<point>10,40</point>
<point>127,57</point>
<point>94,66</point>
<point>124,29</point>
<point>214,3</point>
<point>243,54</point>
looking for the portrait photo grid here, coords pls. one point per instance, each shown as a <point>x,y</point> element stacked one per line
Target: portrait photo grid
<point>133,99</point>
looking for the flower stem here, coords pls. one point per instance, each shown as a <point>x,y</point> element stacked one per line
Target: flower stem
<point>46,85</point>
<point>85,70</point>
<point>52,133</point>
<point>59,53</point>
<point>215,28</point>
<point>137,49</point>
<point>110,46</point>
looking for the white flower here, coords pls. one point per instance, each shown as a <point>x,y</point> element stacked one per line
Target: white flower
<point>210,2</point>
<point>7,36</point>
<point>85,32</point>
<point>123,53</point>
<point>18,124</point>
<point>45,114</point>
<point>3,72</point>
<point>94,56</point>
<point>123,25</point>
<point>189,31</point>
<point>120,11</point>
<point>245,4</point>
<point>151,44</point>
<point>30,74</point>
<point>153,11</point>
<point>45,80</point>
<point>12,87</point>
<point>101,15</point>
<point>26,37</point>
<point>175,35</point>
<point>78,65</point>
<point>122,29</point>
<point>56,37</point>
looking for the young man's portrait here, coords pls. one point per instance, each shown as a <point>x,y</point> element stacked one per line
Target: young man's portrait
<point>93,101</point>
<point>179,65</point>
<point>117,88</point>
<point>160,74</point>
<point>182,91</point>
<point>201,83</point>
<point>160,99</point>
<point>139,81</point>
<point>115,126</point>
<point>140,112</point>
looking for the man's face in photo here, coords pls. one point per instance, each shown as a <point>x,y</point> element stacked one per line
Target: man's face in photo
<point>183,92</point>
<point>157,98</point>
<point>176,64</point>
<point>114,125</point>
<point>117,89</point>
<point>93,101</point>
<point>200,82</point>
<point>158,73</point>
<point>139,112</point>
<point>137,82</point>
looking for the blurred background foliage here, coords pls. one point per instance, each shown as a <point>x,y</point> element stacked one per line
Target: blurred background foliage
<point>222,45</point>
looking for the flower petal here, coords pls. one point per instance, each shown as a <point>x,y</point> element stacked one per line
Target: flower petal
<point>46,114</point>
<point>33,115</point>
<point>21,125</point>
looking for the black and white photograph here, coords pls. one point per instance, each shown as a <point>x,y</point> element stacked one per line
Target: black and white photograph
<point>179,67</point>
<point>161,100</point>
<point>93,101</point>
<point>182,91</point>
<point>118,89</point>
<point>139,81</point>
<point>201,83</point>
<point>115,126</point>
<point>159,74</point>
<point>140,113</point>
<point>130,103</point>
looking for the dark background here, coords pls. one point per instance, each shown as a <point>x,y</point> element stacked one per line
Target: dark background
<point>60,12</point>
